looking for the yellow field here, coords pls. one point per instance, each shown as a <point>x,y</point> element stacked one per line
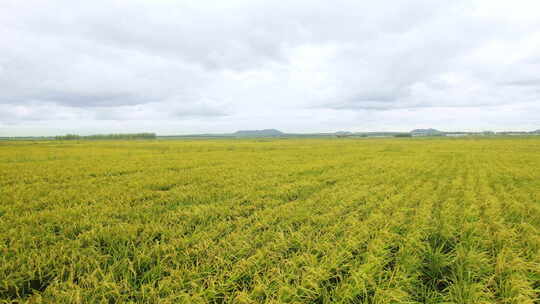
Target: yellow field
<point>271,221</point>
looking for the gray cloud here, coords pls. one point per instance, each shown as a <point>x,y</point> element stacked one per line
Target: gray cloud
<point>200,66</point>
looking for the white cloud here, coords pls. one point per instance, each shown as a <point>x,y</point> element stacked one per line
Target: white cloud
<point>205,66</point>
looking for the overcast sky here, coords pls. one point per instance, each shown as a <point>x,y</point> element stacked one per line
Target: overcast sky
<point>181,67</point>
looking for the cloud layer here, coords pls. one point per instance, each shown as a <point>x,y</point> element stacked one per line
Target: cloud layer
<point>177,67</point>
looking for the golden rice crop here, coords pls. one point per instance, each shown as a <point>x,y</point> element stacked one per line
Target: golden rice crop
<point>271,221</point>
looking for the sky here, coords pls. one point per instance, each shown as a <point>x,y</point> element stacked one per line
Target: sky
<point>185,67</point>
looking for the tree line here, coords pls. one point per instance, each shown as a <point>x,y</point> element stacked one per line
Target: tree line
<point>107,136</point>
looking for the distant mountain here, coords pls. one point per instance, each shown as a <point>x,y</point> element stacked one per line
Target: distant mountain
<point>343,133</point>
<point>426,132</point>
<point>259,133</point>
<point>537,131</point>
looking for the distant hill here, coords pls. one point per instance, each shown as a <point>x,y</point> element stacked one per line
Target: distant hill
<point>343,133</point>
<point>537,131</point>
<point>259,133</point>
<point>426,132</point>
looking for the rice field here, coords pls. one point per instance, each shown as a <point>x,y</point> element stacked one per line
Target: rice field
<point>271,221</point>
